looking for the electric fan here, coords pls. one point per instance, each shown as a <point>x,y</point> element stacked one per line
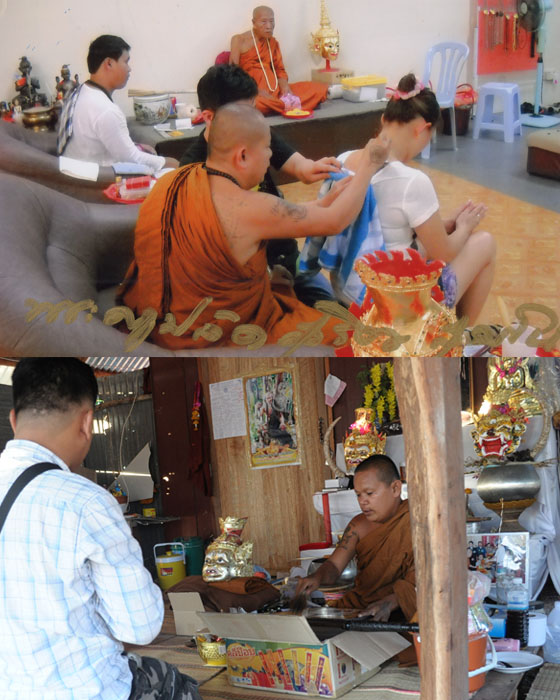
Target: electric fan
<point>532,17</point>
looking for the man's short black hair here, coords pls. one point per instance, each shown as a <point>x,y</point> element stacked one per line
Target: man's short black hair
<point>105,46</point>
<point>223,84</point>
<point>386,469</point>
<point>50,384</point>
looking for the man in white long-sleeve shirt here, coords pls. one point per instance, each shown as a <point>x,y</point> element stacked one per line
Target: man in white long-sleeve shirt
<point>92,127</point>
<point>72,583</point>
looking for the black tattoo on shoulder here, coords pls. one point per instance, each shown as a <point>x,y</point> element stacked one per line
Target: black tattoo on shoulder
<point>288,209</point>
<point>348,534</point>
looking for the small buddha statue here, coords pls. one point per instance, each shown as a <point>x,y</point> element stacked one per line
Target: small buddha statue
<point>64,84</point>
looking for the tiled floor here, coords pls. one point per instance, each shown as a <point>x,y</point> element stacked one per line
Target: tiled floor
<point>527,233</point>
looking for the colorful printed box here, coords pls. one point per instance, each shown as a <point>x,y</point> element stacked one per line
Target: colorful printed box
<point>281,653</point>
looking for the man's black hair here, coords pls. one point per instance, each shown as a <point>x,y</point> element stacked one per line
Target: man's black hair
<point>49,384</point>
<point>223,84</point>
<point>105,46</point>
<point>386,469</point>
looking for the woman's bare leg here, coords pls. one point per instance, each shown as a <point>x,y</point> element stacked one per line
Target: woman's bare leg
<point>474,269</point>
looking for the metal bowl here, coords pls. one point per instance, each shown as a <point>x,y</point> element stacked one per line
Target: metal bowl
<point>347,576</point>
<point>39,118</point>
<point>152,109</point>
<point>512,481</point>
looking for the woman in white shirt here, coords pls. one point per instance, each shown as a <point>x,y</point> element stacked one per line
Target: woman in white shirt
<point>408,205</point>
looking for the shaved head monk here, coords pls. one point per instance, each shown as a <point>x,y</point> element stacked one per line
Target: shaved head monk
<point>258,53</point>
<point>199,252</point>
<point>380,538</point>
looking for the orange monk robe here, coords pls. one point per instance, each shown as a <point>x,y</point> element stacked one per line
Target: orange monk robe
<point>385,566</point>
<point>310,93</point>
<point>181,257</point>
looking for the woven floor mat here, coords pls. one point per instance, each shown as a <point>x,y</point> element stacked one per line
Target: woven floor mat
<point>546,685</point>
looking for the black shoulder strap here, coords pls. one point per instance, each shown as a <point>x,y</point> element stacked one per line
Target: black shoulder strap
<point>19,484</point>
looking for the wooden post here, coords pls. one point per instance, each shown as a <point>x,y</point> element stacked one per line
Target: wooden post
<point>428,393</point>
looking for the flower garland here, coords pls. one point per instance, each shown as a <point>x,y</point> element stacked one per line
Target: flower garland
<point>379,392</point>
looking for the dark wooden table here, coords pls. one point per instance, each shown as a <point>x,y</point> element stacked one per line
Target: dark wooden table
<point>336,126</point>
<point>499,686</point>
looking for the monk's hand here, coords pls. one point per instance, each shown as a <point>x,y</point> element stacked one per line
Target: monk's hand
<point>381,609</point>
<point>376,152</point>
<point>307,585</point>
<point>281,276</point>
<point>314,170</point>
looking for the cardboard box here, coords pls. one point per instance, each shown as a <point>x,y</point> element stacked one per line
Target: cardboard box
<point>332,77</point>
<point>186,607</point>
<point>281,653</point>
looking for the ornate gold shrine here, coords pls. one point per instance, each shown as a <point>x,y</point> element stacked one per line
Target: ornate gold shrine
<point>363,439</point>
<point>498,433</point>
<point>399,297</point>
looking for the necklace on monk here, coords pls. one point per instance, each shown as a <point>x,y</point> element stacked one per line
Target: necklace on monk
<point>271,89</point>
<point>213,171</point>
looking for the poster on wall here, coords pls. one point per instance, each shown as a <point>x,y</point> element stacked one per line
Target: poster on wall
<point>271,420</point>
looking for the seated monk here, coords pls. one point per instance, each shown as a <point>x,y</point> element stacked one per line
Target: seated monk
<point>258,53</point>
<point>380,539</point>
<point>199,248</point>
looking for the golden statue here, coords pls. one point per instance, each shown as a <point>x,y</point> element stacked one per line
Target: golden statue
<point>226,557</point>
<point>399,296</point>
<point>362,440</point>
<point>509,381</point>
<point>326,40</point>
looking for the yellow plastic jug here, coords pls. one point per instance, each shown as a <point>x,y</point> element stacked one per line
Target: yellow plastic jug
<point>171,565</point>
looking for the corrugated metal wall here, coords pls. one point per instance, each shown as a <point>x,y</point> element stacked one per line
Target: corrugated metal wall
<point>5,408</point>
<point>121,429</point>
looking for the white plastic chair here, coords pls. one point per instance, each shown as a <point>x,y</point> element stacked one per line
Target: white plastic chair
<point>449,57</point>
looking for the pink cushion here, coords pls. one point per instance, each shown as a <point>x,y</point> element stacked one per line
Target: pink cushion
<point>222,58</point>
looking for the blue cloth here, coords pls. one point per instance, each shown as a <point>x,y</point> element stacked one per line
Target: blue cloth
<point>339,253</point>
<point>72,583</point>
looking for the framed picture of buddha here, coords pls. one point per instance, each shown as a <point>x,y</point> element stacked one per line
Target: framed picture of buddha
<point>271,420</point>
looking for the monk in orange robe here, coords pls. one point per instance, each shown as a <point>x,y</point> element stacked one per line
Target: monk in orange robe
<point>199,249</point>
<point>381,540</point>
<point>258,53</point>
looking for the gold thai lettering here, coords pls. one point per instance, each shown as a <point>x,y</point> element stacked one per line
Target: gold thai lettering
<point>249,335</point>
<point>140,328</point>
<point>52,310</point>
<point>545,335</point>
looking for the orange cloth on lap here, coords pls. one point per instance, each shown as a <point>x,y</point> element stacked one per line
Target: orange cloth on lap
<point>181,257</point>
<point>310,93</point>
<point>385,565</point>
